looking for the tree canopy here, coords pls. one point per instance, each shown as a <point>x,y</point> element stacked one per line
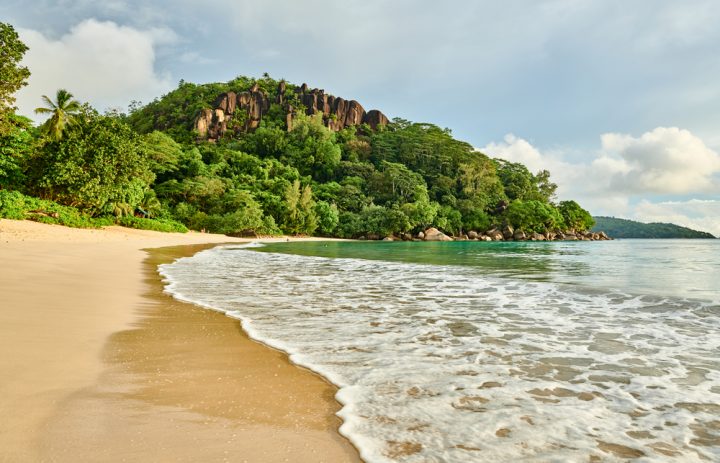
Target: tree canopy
<point>62,113</point>
<point>12,76</point>
<point>399,178</point>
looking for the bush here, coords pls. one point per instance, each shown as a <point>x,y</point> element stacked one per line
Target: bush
<point>533,216</point>
<point>575,217</point>
<point>17,206</point>
<point>161,225</point>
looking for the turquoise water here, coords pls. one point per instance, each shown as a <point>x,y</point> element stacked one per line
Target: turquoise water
<point>486,352</point>
<point>683,268</point>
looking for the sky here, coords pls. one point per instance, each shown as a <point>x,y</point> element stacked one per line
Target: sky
<point>620,100</point>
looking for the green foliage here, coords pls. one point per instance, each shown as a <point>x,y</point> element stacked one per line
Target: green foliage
<point>533,216</point>
<point>328,218</point>
<point>311,148</point>
<point>395,183</point>
<point>17,206</point>
<point>12,76</point>
<point>300,217</point>
<point>161,225</point>
<point>379,222</point>
<point>449,220</point>
<point>63,112</point>
<point>473,217</point>
<point>15,147</point>
<point>420,214</point>
<point>575,217</point>
<point>98,164</point>
<point>623,228</point>
<point>163,153</point>
<point>356,182</point>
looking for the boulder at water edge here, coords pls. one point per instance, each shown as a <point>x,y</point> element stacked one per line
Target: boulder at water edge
<point>433,234</point>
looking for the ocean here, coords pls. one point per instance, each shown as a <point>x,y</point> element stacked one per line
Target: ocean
<point>487,352</point>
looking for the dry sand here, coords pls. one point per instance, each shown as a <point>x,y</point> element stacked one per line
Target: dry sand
<point>96,364</point>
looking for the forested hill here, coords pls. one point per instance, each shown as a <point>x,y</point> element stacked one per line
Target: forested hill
<point>265,155</point>
<point>258,155</point>
<point>623,228</point>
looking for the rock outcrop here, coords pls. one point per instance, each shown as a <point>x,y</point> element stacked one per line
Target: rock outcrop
<point>433,234</point>
<point>254,104</point>
<point>503,234</point>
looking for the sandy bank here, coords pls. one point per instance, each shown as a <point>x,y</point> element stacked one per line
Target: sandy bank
<point>98,365</point>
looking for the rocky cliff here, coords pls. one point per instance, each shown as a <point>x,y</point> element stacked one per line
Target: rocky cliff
<point>248,108</point>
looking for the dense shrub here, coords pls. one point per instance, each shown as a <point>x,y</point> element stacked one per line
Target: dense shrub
<point>161,225</point>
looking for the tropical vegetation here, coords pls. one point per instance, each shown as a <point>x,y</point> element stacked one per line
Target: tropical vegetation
<point>149,167</point>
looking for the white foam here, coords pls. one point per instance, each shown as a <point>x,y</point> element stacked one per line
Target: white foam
<point>447,359</point>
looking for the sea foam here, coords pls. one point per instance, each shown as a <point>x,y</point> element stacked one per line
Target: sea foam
<point>446,364</point>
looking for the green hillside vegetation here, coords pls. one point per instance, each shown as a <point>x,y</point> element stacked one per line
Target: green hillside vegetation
<point>149,169</point>
<point>623,228</point>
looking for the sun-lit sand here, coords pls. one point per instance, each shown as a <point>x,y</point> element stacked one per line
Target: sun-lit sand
<point>97,364</point>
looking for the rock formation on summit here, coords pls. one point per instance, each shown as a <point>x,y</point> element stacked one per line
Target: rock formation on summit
<point>249,107</point>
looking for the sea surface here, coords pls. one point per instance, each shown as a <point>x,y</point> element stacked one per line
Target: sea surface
<point>488,352</point>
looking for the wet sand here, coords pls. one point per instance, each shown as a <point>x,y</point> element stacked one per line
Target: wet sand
<point>99,365</point>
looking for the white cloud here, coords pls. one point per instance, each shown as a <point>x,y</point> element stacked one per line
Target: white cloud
<point>666,160</point>
<point>515,149</point>
<point>101,63</point>
<point>627,174</point>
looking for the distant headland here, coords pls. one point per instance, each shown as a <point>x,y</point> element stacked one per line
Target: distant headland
<point>624,228</point>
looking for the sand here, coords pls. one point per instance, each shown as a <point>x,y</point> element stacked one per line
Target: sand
<point>97,364</point>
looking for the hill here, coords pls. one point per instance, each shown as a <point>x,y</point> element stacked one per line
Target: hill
<point>265,156</point>
<point>623,228</point>
<point>305,161</point>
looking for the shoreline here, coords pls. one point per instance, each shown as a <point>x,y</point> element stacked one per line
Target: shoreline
<point>103,365</point>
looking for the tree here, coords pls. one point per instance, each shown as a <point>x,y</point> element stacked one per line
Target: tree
<point>327,217</point>
<point>575,217</point>
<point>64,110</point>
<point>15,147</point>
<point>163,152</point>
<point>98,166</point>
<point>301,217</point>
<point>516,179</point>
<point>479,182</point>
<point>311,148</point>
<point>533,216</point>
<point>546,188</point>
<point>12,76</point>
<point>397,184</point>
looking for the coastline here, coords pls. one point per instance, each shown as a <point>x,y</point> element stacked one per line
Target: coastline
<point>100,364</point>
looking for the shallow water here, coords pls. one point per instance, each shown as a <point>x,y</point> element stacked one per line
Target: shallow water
<point>456,352</point>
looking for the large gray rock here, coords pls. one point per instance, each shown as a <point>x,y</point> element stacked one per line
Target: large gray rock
<point>519,235</point>
<point>494,234</point>
<point>375,118</point>
<point>508,232</point>
<point>433,234</point>
<point>472,234</point>
<point>337,113</point>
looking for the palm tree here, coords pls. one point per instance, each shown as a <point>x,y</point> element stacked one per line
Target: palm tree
<point>63,110</point>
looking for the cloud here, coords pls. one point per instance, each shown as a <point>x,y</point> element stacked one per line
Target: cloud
<point>665,161</point>
<point>517,150</point>
<point>632,176</point>
<point>662,161</point>
<point>101,63</point>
